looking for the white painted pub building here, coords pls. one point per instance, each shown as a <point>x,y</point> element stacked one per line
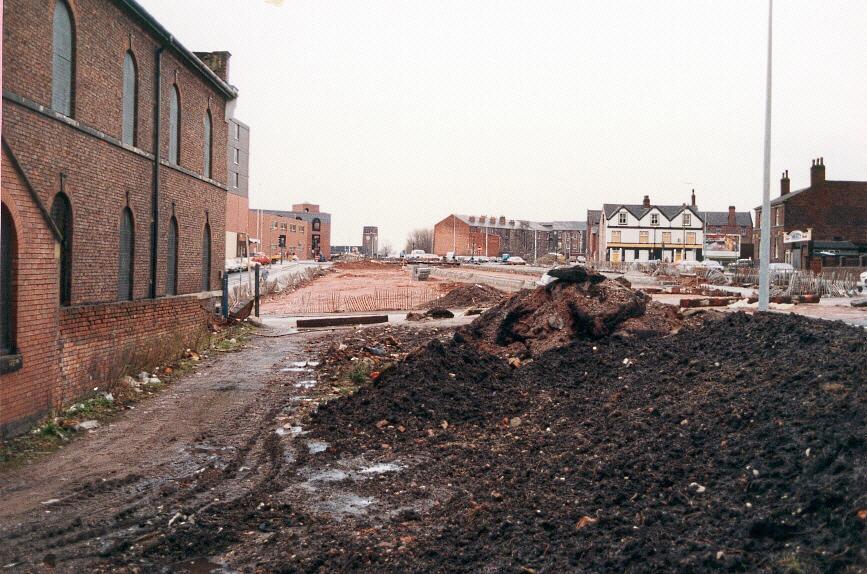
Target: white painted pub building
<point>647,232</point>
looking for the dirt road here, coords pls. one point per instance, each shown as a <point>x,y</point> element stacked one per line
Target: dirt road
<point>207,439</point>
<point>202,477</point>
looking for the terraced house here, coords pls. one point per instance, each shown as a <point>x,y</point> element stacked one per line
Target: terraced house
<point>113,197</point>
<point>646,232</point>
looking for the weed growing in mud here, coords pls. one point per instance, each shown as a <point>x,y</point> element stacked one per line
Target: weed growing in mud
<point>91,408</point>
<point>360,373</point>
<point>52,429</point>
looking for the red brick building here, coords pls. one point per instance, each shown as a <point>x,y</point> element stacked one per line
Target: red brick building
<point>304,232</point>
<point>825,223</point>
<point>468,235</point>
<point>113,198</point>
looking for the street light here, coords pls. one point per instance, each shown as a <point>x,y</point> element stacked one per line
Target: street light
<point>765,244</point>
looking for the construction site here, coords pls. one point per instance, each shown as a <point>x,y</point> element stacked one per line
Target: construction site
<point>495,420</point>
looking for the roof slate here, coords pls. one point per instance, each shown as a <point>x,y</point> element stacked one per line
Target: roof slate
<point>639,210</point>
<point>742,218</point>
<point>525,224</point>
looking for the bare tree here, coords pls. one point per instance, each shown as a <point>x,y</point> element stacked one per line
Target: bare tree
<point>385,248</point>
<point>421,238</point>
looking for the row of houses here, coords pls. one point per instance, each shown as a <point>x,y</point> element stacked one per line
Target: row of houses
<point>820,225</point>
<point>470,235</point>
<point>652,232</point>
<point>124,188</point>
<point>617,232</point>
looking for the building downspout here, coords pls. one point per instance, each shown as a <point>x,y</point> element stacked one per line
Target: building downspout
<point>155,193</point>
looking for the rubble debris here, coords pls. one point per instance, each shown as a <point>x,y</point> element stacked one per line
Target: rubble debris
<point>86,425</point>
<point>435,313</point>
<point>579,304</point>
<point>468,295</point>
<point>439,313</point>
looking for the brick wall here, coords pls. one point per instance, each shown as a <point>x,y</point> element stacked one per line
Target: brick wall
<point>451,234</point>
<point>237,214</point>
<point>837,209</point>
<point>31,390</point>
<point>83,157</point>
<point>100,343</point>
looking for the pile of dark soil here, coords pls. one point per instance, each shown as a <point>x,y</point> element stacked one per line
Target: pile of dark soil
<point>580,304</point>
<point>736,447</point>
<point>468,295</point>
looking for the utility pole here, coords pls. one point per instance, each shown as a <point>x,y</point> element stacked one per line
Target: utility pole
<point>765,244</point>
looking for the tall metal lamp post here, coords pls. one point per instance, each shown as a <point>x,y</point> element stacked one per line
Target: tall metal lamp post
<point>765,244</point>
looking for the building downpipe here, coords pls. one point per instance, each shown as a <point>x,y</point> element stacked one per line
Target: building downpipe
<point>155,195</point>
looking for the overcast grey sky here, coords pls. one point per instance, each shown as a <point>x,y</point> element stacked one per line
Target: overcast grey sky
<point>396,113</point>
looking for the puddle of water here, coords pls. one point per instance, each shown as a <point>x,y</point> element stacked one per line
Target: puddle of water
<point>347,504</point>
<point>381,468</point>
<point>315,446</point>
<point>295,370</point>
<point>305,363</point>
<point>305,384</point>
<point>329,475</point>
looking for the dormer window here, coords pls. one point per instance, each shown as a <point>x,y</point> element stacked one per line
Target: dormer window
<point>687,219</point>
<point>621,218</point>
<point>654,219</point>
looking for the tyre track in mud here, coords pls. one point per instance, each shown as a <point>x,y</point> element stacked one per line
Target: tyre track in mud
<point>197,451</point>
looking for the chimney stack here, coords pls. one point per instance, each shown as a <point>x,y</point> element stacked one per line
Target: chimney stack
<point>646,201</point>
<point>692,198</point>
<point>785,184</point>
<point>218,62</point>
<point>817,172</point>
<point>733,219</point>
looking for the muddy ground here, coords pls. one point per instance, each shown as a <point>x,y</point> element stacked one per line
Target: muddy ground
<point>737,445</point>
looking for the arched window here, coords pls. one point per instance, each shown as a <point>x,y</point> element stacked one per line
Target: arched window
<point>9,256</point>
<point>61,213</point>
<point>63,55</point>
<point>206,258</point>
<point>130,100</point>
<point>209,144</point>
<point>172,258</point>
<point>316,224</point>
<point>175,127</point>
<point>127,256</point>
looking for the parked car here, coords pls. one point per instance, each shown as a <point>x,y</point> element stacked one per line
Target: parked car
<point>780,270</point>
<point>236,264</point>
<point>515,260</point>
<point>261,259</point>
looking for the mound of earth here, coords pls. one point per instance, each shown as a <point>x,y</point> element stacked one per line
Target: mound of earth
<point>468,295</point>
<point>579,304</point>
<point>736,447</point>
